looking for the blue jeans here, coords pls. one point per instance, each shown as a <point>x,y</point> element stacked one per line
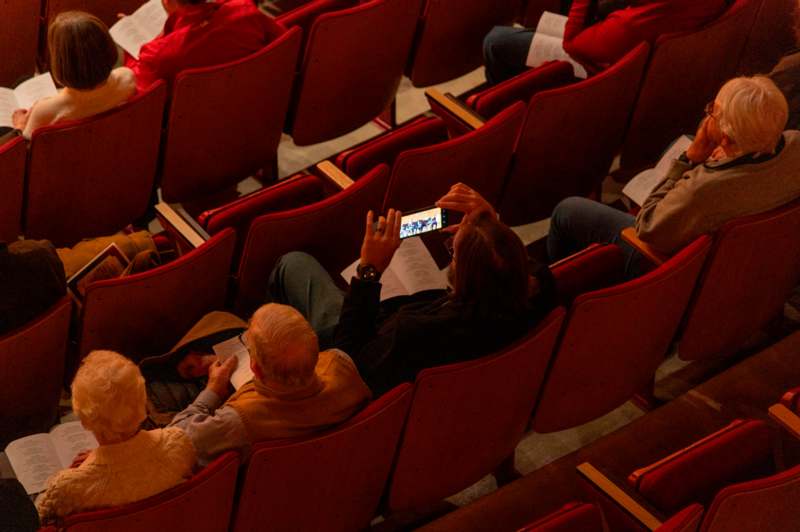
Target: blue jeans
<point>578,222</point>
<point>300,281</point>
<point>505,50</point>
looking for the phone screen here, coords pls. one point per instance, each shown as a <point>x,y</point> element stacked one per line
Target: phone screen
<point>422,221</point>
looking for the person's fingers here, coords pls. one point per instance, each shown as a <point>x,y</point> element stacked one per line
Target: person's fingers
<point>381,225</point>
<point>398,222</point>
<point>370,224</point>
<point>451,229</point>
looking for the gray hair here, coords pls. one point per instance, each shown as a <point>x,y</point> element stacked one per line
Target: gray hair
<point>109,396</point>
<point>283,345</point>
<point>753,113</point>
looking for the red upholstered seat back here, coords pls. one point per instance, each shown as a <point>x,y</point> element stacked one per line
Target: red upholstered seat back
<point>354,60</point>
<point>201,504</point>
<point>449,42</point>
<point>685,72</point>
<point>225,122</point>
<point>480,159</point>
<point>146,313</point>
<point>763,504</point>
<point>752,268</point>
<point>33,359</point>
<point>687,520</point>
<point>491,101</point>
<point>573,517</point>
<point>13,155</point>
<point>742,450</point>
<point>94,176</point>
<point>770,37</point>
<point>330,230</point>
<point>288,194</point>
<point>569,139</point>
<point>614,340</point>
<point>341,473</point>
<point>19,39</point>
<point>467,418</point>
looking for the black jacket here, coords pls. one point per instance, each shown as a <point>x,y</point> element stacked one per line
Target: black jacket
<point>392,341</point>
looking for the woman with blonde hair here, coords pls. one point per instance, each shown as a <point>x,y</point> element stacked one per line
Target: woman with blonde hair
<point>108,396</point>
<point>82,59</point>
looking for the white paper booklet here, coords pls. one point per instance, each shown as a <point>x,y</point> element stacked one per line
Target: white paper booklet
<point>412,270</point>
<point>235,347</point>
<point>640,187</point>
<point>36,458</point>
<point>24,96</point>
<point>548,43</point>
<point>139,28</point>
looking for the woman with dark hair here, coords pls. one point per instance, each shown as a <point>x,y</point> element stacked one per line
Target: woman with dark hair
<point>492,300</point>
<point>82,59</point>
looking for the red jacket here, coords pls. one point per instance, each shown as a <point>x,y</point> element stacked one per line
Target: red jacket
<point>203,35</point>
<point>602,44</point>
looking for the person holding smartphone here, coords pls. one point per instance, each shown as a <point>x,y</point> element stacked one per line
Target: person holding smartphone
<point>492,300</point>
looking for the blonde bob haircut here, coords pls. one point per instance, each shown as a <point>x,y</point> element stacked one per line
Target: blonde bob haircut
<point>109,396</point>
<point>753,113</point>
<point>283,345</point>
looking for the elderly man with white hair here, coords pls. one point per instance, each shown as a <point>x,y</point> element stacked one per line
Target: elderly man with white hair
<point>297,390</point>
<point>741,162</point>
<point>108,396</point>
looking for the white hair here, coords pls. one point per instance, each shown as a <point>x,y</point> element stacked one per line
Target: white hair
<point>283,345</point>
<point>109,396</point>
<point>753,113</point>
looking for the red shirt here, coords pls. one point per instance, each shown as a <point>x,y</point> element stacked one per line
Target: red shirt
<point>203,35</point>
<point>602,44</point>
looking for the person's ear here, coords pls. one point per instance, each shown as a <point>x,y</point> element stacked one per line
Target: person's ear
<point>256,370</point>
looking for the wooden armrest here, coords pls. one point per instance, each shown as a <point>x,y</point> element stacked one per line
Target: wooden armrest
<point>178,223</point>
<point>786,418</point>
<point>333,174</point>
<point>618,495</point>
<point>656,257</point>
<point>455,107</point>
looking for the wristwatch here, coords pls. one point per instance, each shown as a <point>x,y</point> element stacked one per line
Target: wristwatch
<point>368,272</point>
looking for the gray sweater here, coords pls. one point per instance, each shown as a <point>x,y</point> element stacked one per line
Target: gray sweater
<point>693,201</point>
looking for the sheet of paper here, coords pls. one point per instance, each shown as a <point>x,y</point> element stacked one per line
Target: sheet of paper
<point>70,439</point>
<point>34,89</point>
<point>412,270</point>
<point>139,28</point>
<point>34,460</point>
<point>552,24</point>
<point>548,43</point>
<point>640,187</point>
<point>8,104</point>
<point>235,347</point>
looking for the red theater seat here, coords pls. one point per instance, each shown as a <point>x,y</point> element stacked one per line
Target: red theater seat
<point>614,339</point>
<point>449,40</point>
<point>146,313</point>
<point>19,40</point>
<point>13,155</point>
<point>573,517</point>
<point>684,74</point>
<point>341,473</point>
<point>225,122</point>
<point>329,230</point>
<point>201,504</point>
<point>33,359</point>
<point>94,176</point>
<point>423,174</point>
<point>353,62</point>
<point>467,418</point>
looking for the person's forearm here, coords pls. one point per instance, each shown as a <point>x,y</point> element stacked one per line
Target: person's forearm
<point>666,210</point>
<point>357,320</point>
<point>578,18</point>
<point>204,405</point>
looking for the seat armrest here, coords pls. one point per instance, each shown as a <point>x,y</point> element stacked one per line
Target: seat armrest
<point>334,175</point>
<point>451,109</point>
<point>181,227</point>
<point>619,496</point>
<point>786,418</point>
<point>790,399</point>
<point>656,257</point>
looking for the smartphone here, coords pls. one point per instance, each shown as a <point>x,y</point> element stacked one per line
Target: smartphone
<point>423,221</point>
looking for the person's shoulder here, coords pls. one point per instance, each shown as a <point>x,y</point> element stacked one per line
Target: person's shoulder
<point>175,443</point>
<point>124,79</point>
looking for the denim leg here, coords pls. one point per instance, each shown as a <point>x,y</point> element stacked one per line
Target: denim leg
<point>578,222</point>
<point>505,50</point>
<point>300,281</point>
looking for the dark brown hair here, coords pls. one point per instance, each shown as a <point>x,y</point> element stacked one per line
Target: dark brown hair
<point>82,53</point>
<point>491,268</point>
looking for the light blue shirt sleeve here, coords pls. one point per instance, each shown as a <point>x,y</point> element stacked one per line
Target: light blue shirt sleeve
<point>211,427</point>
